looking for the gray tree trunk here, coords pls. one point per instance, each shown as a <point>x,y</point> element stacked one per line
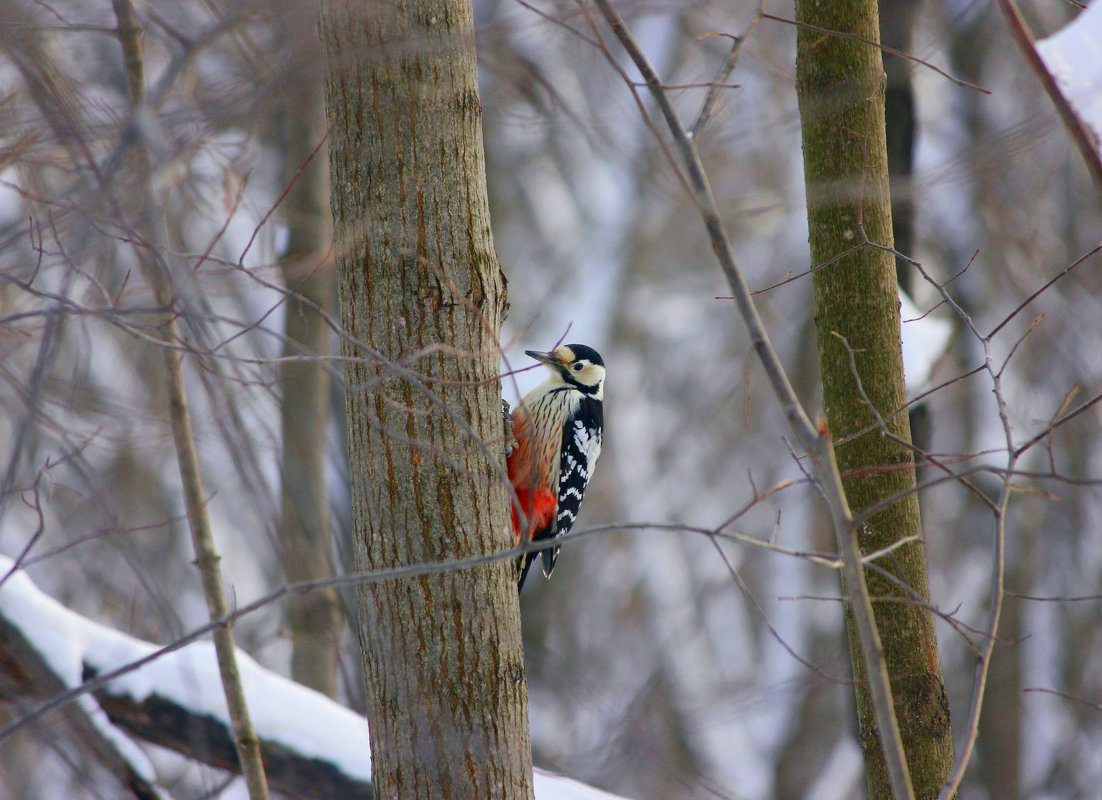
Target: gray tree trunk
<point>422,298</point>
<point>314,619</point>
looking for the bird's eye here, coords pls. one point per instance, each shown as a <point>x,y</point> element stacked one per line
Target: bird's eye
<point>579,367</point>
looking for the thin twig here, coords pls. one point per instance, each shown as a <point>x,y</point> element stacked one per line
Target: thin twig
<point>880,46</point>
<point>815,439</point>
<point>1084,407</point>
<point>1084,140</point>
<point>998,569</point>
<point>723,73</point>
<point>206,554</point>
<point>1093,251</point>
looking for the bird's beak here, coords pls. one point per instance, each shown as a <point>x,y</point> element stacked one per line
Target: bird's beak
<point>544,358</point>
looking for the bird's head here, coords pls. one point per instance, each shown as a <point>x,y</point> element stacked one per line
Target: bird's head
<point>575,365</point>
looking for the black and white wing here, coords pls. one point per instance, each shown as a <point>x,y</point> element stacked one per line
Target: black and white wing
<point>581,445</point>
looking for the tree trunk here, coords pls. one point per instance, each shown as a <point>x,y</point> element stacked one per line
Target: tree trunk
<point>422,298</point>
<point>896,31</point>
<point>173,349</point>
<point>841,97</point>
<point>314,619</point>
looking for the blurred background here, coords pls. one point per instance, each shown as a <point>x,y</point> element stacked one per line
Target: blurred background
<point>663,662</point>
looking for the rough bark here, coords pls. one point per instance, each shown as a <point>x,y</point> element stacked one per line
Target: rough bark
<point>420,287</point>
<point>314,619</point>
<point>841,97</point>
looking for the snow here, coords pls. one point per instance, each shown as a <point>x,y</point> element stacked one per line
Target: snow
<point>1074,57</point>
<point>925,339</point>
<point>549,786</point>
<point>61,637</point>
<point>283,711</point>
<point>123,744</point>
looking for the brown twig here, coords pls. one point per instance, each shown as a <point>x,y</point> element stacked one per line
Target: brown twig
<point>1062,273</point>
<point>882,47</point>
<point>998,569</point>
<point>206,554</point>
<point>1084,140</point>
<point>815,439</point>
<point>723,73</point>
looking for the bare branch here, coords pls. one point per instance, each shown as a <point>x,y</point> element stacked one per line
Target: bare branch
<point>883,47</point>
<point>814,438</point>
<point>723,73</point>
<point>998,568</point>
<point>24,673</point>
<point>206,554</point>
<point>1083,138</point>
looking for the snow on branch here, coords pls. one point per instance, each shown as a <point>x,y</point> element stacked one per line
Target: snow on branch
<point>1074,57</point>
<point>312,747</point>
<point>1069,66</point>
<point>24,673</point>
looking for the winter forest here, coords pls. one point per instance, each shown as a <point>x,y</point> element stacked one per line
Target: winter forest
<point>178,397</point>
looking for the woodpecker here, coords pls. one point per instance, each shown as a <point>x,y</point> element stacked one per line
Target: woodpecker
<point>558,429</point>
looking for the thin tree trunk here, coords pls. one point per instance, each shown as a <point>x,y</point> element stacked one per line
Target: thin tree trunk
<point>207,559</point>
<point>314,619</point>
<point>419,285</point>
<point>841,97</point>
